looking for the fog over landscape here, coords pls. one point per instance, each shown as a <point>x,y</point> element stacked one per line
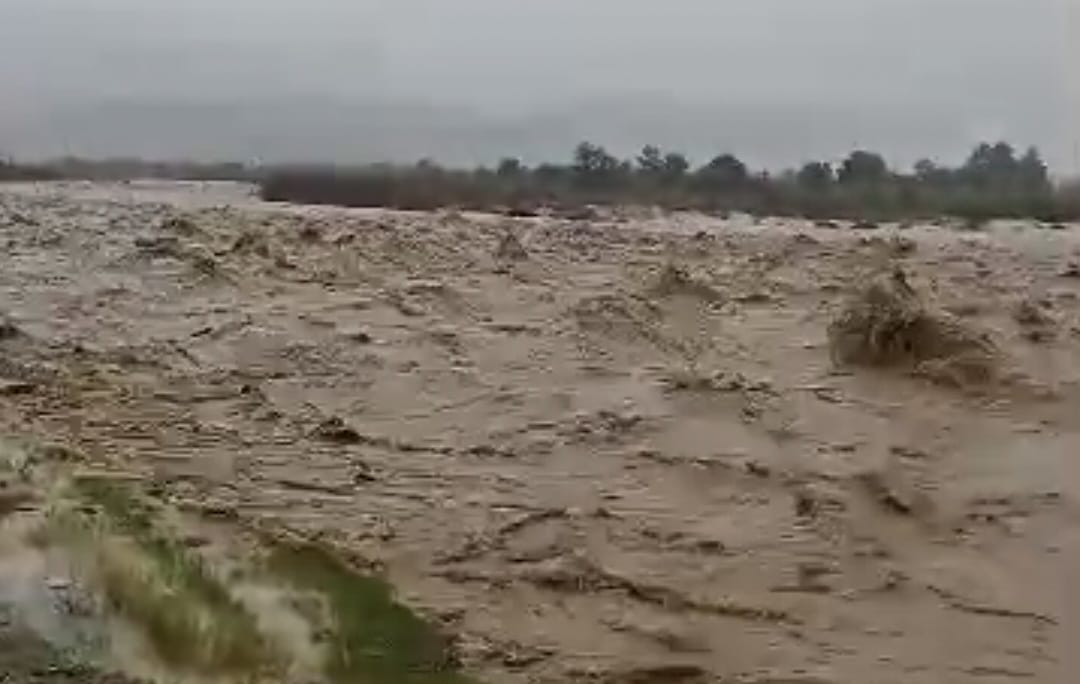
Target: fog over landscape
<point>775,81</point>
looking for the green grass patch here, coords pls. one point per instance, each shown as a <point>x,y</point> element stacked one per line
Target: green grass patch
<point>125,511</point>
<point>374,640</point>
<point>187,614</point>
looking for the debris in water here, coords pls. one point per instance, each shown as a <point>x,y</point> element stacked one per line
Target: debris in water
<point>310,232</point>
<point>1034,317</point>
<point>158,245</point>
<point>11,388</point>
<point>677,280</point>
<point>510,248</point>
<point>887,324</point>
<point>8,329</point>
<point>358,335</point>
<point>901,245</point>
<point>181,225</point>
<point>891,494</point>
<point>334,429</point>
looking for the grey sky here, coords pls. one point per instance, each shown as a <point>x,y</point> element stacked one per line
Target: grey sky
<point>910,77</point>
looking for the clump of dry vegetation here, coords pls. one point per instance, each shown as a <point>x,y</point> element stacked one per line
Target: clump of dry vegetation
<point>678,280</point>
<point>252,242</point>
<point>510,248</point>
<point>180,225</point>
<point>887,324</point>
<point>1031,312</point>
<point>1035,319</point>
<point>8,329</point>
<point>203,260</point>
<point>200,257</point>
<point>691,378</point>
<point>901,245</point>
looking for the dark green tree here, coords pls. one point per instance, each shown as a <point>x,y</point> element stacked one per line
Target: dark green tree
<point>675,166</point>
<point>863,168</point>
<point>990,166</point>
<point>650,161</point>
<point>1032,173</point>
<point>724,172</point>
<point>510,167</point>
<point>814,176</point>
<point>594,162</point>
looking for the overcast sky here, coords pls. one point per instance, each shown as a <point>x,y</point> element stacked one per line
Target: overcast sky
<point>905,76</point>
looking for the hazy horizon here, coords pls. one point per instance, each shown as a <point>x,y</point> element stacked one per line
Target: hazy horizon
<point>774,81</point>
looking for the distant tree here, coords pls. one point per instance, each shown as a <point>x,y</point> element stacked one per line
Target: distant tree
<point>675,166</point>
<point>594,167</point>
<point>994,181</point>
<point>428,166</point>
<point>1032,173</point>
<point>929,174</point>
<point>815,176</point>
<point>510,167</point>
<point>990,165</point>
<point>659,167</point>
<point>862,167</point>
<point>925,169</point>
<point>550,173</point>
<point>723,172</point>
<point>1003,157</point>
<point>650,161</point>
<point>594,160</point>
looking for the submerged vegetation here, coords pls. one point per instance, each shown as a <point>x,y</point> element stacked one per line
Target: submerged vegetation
<point>373,638</point>
<point>190,609</point>
<point>888,324</point>
<point>186,613</point>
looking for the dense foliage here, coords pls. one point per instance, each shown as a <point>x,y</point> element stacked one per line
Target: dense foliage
<point>994,181</point>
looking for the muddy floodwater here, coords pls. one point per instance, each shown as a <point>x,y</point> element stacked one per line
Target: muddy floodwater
<point>359,445</point>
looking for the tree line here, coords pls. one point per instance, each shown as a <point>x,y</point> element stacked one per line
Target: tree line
<point>124,168</point>
<point>995,181</point>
